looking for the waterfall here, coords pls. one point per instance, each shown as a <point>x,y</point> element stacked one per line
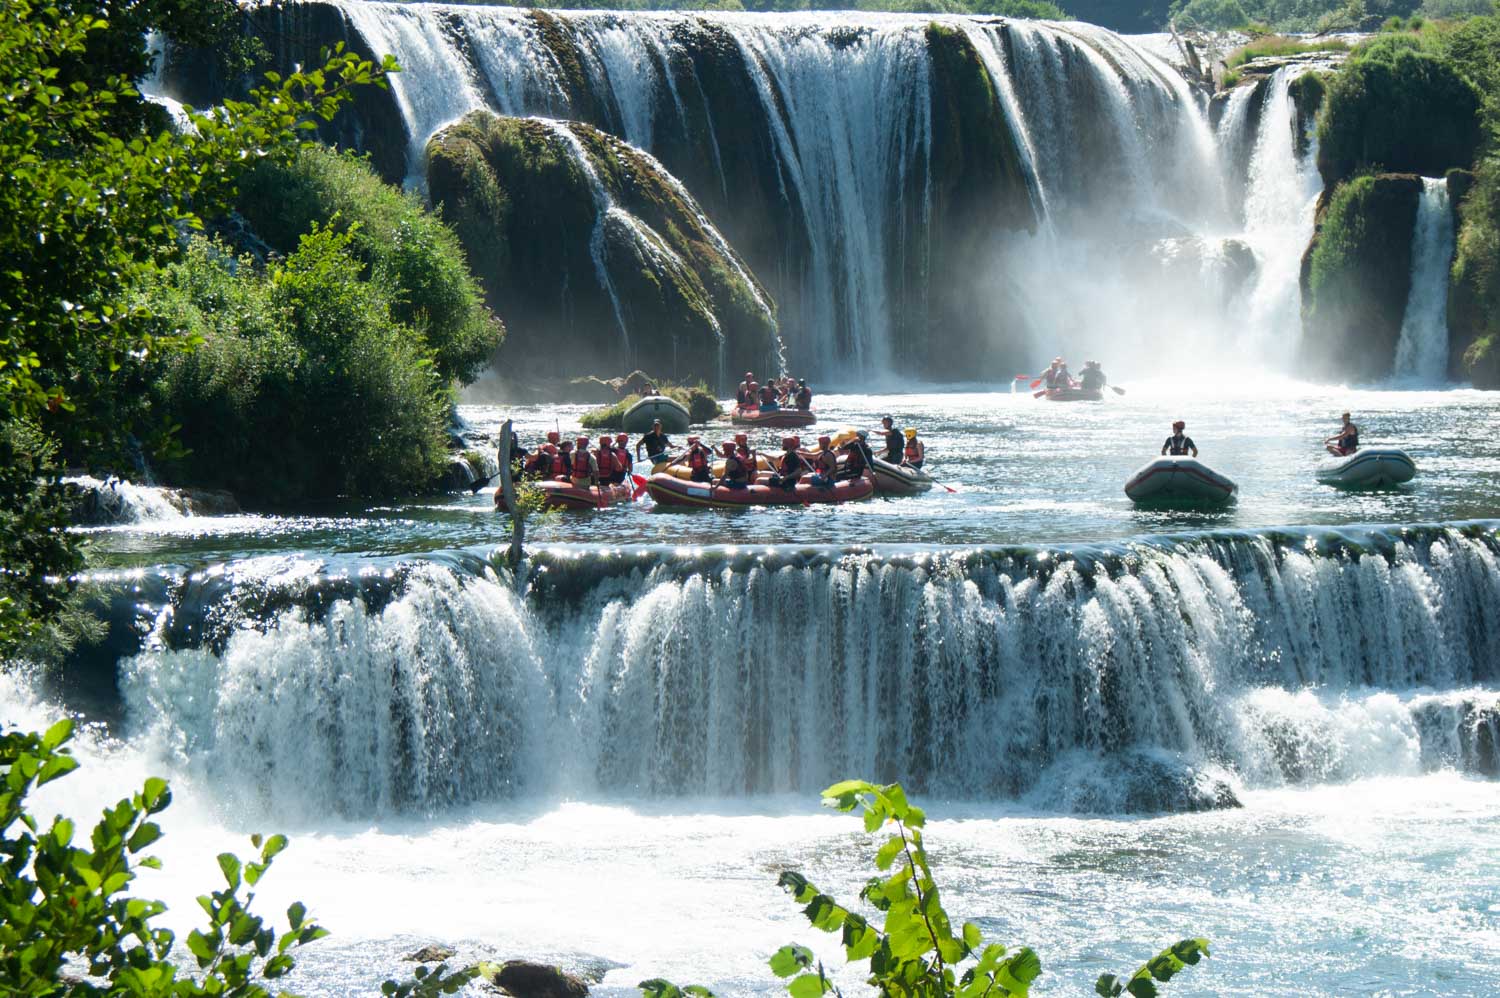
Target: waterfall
<point>1280,203</point>
<point>1422,350</point>
<point>1274,658</point>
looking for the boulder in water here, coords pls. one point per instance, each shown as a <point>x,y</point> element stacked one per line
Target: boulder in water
<point>1132,782</point>
<point>590,251</point>
<point>431,953</point>
<point>525,979</point>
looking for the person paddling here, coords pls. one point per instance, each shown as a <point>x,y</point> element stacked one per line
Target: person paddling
<point>748,456</point>
<point>1056,376</point>
<point>1092,378</point>
<point>803,397</point>
<point>585,470</point>
<point>1179,443</point>
<point>767,398</point>
<point>700,461</point>
<point>562,468</point>
<point>825,464</point>
<point>736,475</point>
<point>623,464</point>
<point>656,444</point>
<point>856,458</point>
<point>791,466</point>
<point>1345,441</point>
<point>914,453</point>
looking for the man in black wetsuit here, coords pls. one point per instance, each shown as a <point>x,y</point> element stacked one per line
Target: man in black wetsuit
<point>895,443</point>
<point>655,442</point>
<point>1345,441</point>
<point>1179,443</point>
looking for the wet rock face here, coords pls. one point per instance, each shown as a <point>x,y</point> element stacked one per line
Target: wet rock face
<point>1356,276</point>
<point>524,979</point>
<point>593,254</point>
<point>1133,782</point>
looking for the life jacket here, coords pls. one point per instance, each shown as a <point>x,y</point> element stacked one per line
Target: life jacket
<point>804,398</point>
<point>735,469</point>
<point>1178,444</point>
<point>791,462</point>
<point>562,465</point>
<point>913,452</point>
<point>767,395</point>
<point>826,462</point>
<point>698,457</point>
<point>623,461</point>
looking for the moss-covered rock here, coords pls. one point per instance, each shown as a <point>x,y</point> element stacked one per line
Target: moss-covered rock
<point>1357,276</point>
<point>1474,282</point>
<point>594,255</point>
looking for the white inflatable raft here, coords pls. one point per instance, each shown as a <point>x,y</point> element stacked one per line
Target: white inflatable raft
<point>1179,478</point>
<point>639,417</point>
<point>1371,468</point>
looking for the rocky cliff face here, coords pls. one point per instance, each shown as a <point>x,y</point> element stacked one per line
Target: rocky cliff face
<point>1356,277</point>
<point>595,256</point>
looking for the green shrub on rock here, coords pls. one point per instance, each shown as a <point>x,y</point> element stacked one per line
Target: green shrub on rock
<point>1398,108</point>
<point>409,253</point>
<point>305,386</point>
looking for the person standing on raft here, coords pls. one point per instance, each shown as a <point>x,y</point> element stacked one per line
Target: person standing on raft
<point>1179,443</point>
<point>656,443</point>
<point>1345,441</point>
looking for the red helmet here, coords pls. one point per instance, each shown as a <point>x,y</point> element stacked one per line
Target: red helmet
<point>1179,425</point>
<point>582,441</point>
<point>789,443</point>
<point>728,447</point>
<point>622,438</point>
<point>693,440</point>
<point>742,438</point>
<point>553,436</point>
<point>825,441</point>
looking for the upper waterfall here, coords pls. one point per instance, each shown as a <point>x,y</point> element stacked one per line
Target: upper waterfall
<point>935,196</point>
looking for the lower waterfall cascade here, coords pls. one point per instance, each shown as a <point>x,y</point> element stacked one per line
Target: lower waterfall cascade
<point>1251,659</point>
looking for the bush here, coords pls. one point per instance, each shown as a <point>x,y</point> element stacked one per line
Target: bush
<point>411,255</point>
<point>1276,45</point>
<point>1397,108</point>
<point>305,386</point>
<point>1211,15</point>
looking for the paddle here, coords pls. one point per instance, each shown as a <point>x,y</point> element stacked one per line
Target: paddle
<point>1036,382</point>
<point>1117,390</point>
<point>1037,395</point>
<point>640,487</point>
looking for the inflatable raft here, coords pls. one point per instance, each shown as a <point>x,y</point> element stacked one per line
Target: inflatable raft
<point>898,480</point>
<point>566,495</point>
<point>1075,394</point>
<point>1176,479</point>
<point>638,418</point>
<point>775,418</point>
<point>763,465</point>
<point>671,491</point>
<point>1371,468</point>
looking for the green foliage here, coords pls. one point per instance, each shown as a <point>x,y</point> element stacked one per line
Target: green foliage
<point>1211,15</point>
<point>66,908</point>
<point>1399,108</point>
<point>909,942</point>
<point>410,254</point>
<point>305,385</point>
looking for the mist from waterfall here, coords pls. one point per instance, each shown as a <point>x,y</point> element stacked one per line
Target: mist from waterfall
<point>1422,350</point>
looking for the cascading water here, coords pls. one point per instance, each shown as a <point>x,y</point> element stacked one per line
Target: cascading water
<point>757,671</point>
<point>836,113</point>
<point>1422,350</point>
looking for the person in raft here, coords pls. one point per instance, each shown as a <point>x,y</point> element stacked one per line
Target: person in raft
<point>803,397</point>
<point>766,398</point>
<point>746,454</point>
<point>1057,375</point>
<point>1091,378</point>
<point>856,457</point>
<point>914,454</point>
<point>656,444</point>
<point>564,464</point>
<point>1345,441</point>
<point>791,466</point>
<point>699,459</point>
<point>585,470</point>
<point>605,455</point>
<point>1179,443</point>
<point>736,473</point>
<point>623,464</point>
<point>893,440</point>
<point>825,465</point>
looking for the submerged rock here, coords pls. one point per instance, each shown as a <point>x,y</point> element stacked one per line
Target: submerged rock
<point>524,979</point>
<point>1132,782</point>
<point>431,953</point>
<point>594,255</point>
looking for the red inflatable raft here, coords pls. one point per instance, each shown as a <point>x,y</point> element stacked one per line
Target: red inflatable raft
<point>776,418</point>
<point>1075,394</point>
<point>671,491</point>
<point>566,495</point>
